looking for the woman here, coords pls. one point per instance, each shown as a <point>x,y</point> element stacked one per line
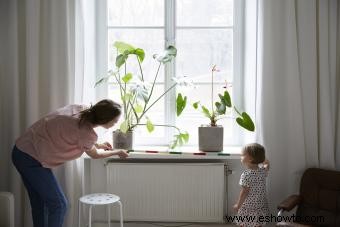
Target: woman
<point>61,136</point>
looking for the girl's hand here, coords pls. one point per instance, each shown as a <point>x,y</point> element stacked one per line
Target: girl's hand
<point>236,207</point>
<point>266,164</point>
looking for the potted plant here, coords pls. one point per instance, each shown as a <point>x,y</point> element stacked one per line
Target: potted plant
<point>210,137</point>
<point>136,94</point>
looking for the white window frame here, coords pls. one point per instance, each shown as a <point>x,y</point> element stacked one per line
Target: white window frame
<point>170,69</point>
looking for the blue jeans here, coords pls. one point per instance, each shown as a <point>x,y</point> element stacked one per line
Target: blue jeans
<point>48,202</point>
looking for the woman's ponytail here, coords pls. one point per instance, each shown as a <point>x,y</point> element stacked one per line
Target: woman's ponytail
<point>101,113</point>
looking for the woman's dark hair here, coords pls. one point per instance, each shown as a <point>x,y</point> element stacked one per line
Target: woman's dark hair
<point>256,152</point>
<point>101,113</point>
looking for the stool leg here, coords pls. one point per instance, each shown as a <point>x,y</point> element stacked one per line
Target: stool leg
<point>109,214</point>
<point>90,215</point>
<point>121,213</point>
<point>79,220</point>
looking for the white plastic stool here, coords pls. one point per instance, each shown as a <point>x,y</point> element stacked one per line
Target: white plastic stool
<point>100,199</point>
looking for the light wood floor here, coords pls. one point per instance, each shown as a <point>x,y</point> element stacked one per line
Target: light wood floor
<point>138,224</point>
<point>163,225</point>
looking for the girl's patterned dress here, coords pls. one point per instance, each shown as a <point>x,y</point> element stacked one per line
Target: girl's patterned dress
<point>256,204</point>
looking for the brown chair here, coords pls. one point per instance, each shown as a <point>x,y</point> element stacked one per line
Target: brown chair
<point>318,202</point>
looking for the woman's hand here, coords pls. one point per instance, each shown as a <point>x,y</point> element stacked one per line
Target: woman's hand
<point>122,153</point>
<point>94,153</point>
<point>105,146</point>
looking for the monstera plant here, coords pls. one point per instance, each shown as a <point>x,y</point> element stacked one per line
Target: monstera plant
<point>136,94</point>
<point>211,136</point>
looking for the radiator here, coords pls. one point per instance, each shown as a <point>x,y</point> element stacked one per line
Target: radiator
<point>169,192</point>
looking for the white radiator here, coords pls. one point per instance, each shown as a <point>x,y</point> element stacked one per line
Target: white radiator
<point>174,192</point>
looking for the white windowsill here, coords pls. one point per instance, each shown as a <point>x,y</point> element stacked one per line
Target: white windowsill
<point>187,152</point>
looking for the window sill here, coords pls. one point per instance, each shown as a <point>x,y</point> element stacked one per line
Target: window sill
<point>186,152</point>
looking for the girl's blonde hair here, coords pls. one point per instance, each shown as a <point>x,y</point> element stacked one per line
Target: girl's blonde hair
<point>256,152</point>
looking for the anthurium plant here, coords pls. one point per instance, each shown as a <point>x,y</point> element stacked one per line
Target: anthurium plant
<point>136,93</point>
<point>218,109</point>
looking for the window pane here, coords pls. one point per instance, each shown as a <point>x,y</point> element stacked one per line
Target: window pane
<point>135,13</point>
<point>150,40</point>
<point>155,114</point>
<point>204,12</point>
<point>192,118</point>
<point>200,49</point>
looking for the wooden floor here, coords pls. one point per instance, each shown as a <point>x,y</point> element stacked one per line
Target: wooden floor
<point>138,224</point>
<point>163,225</point>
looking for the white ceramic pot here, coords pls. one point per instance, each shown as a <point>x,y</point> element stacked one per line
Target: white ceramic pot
<point>122,140</point>
<point>210,138</point>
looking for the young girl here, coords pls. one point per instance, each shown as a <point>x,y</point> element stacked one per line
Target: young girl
<point>252,206</point>
<point>61,136</point>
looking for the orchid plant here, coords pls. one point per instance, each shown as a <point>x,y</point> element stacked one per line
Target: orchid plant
<point>218,110</point>
<point>136,93</point>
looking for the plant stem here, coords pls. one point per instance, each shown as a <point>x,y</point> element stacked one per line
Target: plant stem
<point>140,68</point>
<point>133,101</point>
<point>127,107</point>
<point>157,100</point>
<point>153,85</point>
<point>124,75</point>
<point>237,111</point>
<point>121,89</point>
<point>217,119</point>
<point>213,117</point>
<point>172,126</point>
<point>134,111</point>
<point>212,90</point>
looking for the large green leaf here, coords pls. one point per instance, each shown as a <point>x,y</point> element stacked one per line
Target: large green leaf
<point>179,139</point>
<point>138,108</point>
<point>220,107</point>
<point>127,77</point>
<point>126,97</point>
<point>141,91</point>
<point>168,54</point>
<point>246,122</point>
<point>126,49</point>
<point>140,54</point>
<point>225,99</point>
<point>206,112</point>
<point>122,47</point>
<point>180,103</point>
<point>149,125</point>
<point>174,143</point>
<point>121,59</point>
<point>185,136</point>
<point>124,126</point>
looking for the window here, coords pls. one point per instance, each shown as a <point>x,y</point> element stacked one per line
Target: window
<point>205,32</point>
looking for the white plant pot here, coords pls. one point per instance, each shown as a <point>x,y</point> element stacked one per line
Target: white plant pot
<point>210,138</point>
<point>122,140</point>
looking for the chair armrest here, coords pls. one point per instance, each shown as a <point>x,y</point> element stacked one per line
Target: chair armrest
<point>289,203</point>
